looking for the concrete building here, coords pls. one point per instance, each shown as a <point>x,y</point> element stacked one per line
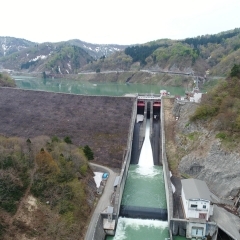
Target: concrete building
<point>196,199</point>
<point>197,206</point>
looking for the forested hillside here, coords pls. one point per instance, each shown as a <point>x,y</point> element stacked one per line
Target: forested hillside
<point>59,58</point>
<point>214,54</point>
<point>9,45</point>
<point>46,189</point>
<point>220,109</point>
<point>208,54</point>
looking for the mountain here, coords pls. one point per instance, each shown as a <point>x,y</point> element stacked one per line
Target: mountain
<point>9,45</point>
<point>97,50</point>
<point>54,58</point>
<point>203,55</point>
<point>208,54</point>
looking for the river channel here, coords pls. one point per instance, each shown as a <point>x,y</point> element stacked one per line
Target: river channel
<point>89,88</point>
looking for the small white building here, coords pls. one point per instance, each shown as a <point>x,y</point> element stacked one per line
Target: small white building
<point>196,199</point>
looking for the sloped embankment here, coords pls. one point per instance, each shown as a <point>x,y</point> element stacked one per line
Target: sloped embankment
<point>98,121</point>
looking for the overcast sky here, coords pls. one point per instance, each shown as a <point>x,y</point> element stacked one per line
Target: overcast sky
<point>115,21</point>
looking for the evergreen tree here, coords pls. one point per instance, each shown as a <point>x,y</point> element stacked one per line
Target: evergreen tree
<point>88,152</point>
<point>68,140</point>
<point>235,71</point>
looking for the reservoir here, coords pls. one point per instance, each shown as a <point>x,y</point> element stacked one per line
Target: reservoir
<point>88,88</point>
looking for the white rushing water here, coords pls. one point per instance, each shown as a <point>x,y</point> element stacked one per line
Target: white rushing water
<point>146,155</point>
<point>139,229</point>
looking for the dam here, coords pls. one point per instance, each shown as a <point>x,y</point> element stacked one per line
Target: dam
<point>33,103</point>
<point>143,204</point>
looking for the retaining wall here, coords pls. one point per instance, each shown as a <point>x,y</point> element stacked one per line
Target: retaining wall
<point>125,165</point>
<point>99,233</point>
<point>168,186</point>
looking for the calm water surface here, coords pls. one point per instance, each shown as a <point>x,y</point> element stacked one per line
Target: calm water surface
<point>87,88</point>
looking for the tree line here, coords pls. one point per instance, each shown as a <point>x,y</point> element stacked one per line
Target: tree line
<point>214,38</point>
<point>140,53</point>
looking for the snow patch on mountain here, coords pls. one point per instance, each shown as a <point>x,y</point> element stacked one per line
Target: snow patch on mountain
<point>69,65</point>
<point>4,47</point>
<point>38,57</point>
<point>59,69</point>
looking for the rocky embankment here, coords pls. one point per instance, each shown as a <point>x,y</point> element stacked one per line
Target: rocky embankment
<point>100,122</point>
<point>201,155</point>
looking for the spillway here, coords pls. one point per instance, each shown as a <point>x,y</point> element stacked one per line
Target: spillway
<point>146,156</point>
<point>143,202</point>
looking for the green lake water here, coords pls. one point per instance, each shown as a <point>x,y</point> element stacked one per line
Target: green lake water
<point>87,88</point>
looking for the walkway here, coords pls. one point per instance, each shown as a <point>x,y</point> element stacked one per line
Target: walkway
<point>105,199</point>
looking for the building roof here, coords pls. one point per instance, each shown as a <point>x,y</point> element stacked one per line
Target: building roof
<point>195,189</point>
<point>109,210</point>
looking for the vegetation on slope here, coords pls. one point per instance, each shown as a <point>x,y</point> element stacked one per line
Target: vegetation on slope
<point>11,45</point>
<point>217,53</point>
<point>6,80</point>
<point>213,38</point>
<point>57,175</point>
<point>68,58</point>
<point>55,58</point>
<point>214,54</point>
<point>178,52</point>
<point>140,53</point>
<point>222,106</point>
<point>117,61</point>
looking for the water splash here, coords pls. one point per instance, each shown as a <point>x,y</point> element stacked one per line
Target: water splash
<point>146,155</point>
<point>129,228</point>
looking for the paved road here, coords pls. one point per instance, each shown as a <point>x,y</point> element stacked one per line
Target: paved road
<point>105,199</point>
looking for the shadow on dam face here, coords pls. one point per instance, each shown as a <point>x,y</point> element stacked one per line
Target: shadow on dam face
<point>148,109</point>
<point>143,212</point>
